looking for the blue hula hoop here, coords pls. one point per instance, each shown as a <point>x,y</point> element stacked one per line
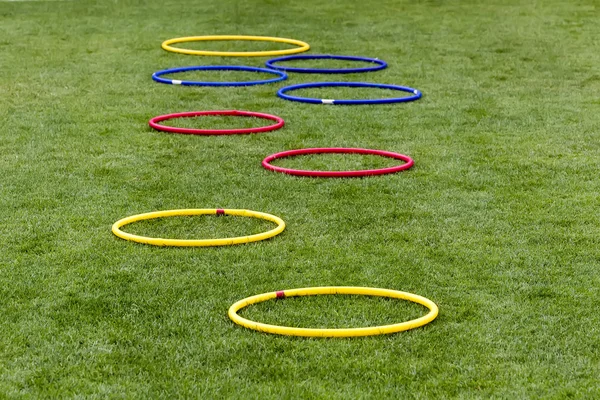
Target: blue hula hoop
<point>380,64</point>
<point>156,76</point>
<point>416,94</point>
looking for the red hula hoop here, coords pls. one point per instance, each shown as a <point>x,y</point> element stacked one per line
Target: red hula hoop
<point>330,174</point>
<point>154,123</point>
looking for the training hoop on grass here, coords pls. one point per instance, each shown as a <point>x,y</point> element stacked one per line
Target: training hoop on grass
<point>198,242</point>
<point>409,162</point>
<point>166,45</point>
<point>157,75</point>
<point>154,122</point>
<point>350,332</point>
<point>380,64</point>
<point>416,94</point>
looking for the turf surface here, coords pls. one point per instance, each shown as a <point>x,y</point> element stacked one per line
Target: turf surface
<point>497,222</point>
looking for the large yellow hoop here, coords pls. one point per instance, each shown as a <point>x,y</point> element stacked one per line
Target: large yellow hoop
<point>302,46</point>
<point>198,242</point>
<point>351,332</point>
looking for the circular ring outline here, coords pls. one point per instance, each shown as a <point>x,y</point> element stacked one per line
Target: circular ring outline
<point>198,242</point>
<point>281,76</point>
<point>409,162</point>
<point>380,64</point>
<point>154,122</point>
<point>416,94</point>
<point>303,46</point>
<point>344,332</point>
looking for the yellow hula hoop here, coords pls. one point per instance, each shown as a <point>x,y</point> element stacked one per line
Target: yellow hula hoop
<point>198,242</point>
<point>302,46</point>
<point>350,332</point>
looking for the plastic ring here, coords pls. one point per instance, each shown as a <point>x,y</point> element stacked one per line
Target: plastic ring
<point>416,94</point>
<point>380,64</point>
<point>154,123</point>
<point>156,76</point>
<point>338,174</point>
<point>351,332</point>
<point>200,242</point>
<point>302,46</point>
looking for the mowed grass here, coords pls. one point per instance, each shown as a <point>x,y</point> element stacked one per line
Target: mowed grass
<point>497,222</point>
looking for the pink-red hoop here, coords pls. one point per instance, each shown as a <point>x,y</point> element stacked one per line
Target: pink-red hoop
<point>154,123</point>
<point>338,174</point>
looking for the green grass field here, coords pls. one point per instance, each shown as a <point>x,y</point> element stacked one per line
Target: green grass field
<point>498,222</point>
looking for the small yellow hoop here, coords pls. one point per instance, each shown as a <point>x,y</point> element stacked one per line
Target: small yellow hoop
<point>198,242</point>
<point>351,332</point>
<point>302,46</point>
